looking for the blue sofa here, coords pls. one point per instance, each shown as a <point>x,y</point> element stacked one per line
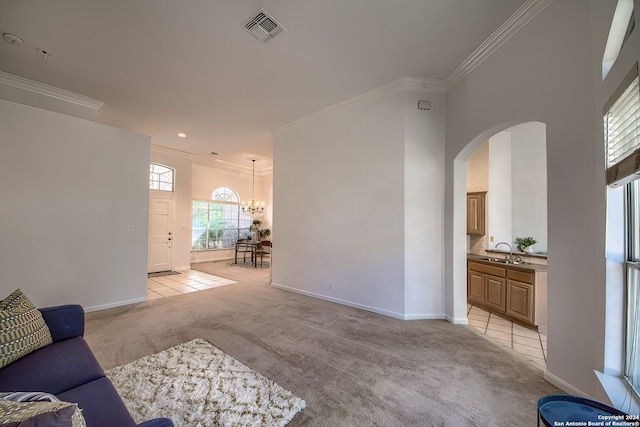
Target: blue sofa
<point>69,370</point>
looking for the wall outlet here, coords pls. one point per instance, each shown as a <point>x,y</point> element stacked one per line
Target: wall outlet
<point>331,285</point>
<point>491,239</point>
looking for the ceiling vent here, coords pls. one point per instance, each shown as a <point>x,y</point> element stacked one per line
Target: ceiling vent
<point>262,26</point>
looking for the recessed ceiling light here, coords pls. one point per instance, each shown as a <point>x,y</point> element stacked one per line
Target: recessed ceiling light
<point>182,135</point>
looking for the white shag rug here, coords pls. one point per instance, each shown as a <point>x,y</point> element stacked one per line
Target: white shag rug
<point>196,384</point>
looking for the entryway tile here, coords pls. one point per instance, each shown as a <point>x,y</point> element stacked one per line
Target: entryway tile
<point>527,342</point>
<point>186,282</point>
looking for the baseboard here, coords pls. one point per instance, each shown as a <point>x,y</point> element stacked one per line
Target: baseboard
<point>211,260</point>
<point>389,313</point>
<point>423,316</point>
<point>565,386</point>
<point>114,304</point>
<point>457,320</point>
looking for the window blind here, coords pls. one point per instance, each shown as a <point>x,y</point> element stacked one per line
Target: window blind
<point>622,130</point>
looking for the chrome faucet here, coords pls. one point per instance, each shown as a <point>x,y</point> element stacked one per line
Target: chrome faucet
<point>509,257</point>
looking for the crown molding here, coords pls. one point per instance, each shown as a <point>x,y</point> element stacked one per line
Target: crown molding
<point>404,84</point>
<point>525,14</point>
<point>47,90</point>
<point>260,172</point>
<point>419,84</point>
<point>230,168</point>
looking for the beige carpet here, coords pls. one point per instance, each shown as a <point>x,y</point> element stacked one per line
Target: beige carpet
<point>352,367</point>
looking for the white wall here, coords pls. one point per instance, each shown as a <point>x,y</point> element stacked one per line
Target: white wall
<point>529,183</point>
<point>424,207</point>
<point>353,224</point>
<point>478,169</point>
<point>70,187</point>
<point>545,73</point>
<point>499,190</point>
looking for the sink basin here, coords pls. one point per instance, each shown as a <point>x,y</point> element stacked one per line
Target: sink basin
<point>500,260</point>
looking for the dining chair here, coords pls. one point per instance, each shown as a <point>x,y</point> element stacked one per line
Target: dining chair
<point>244,247</point>
<point>263,250</point>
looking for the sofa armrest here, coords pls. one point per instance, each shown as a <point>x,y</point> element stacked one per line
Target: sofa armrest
<point>157,422</point>
<point>64,321</point>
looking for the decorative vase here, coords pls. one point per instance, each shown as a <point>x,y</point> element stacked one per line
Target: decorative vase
<point>528,249</point>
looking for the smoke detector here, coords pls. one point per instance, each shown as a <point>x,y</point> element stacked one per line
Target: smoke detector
<point>12,39</point>
<point>262,26</point>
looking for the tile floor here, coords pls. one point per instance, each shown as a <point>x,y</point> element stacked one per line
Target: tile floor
<point>530,343</point>
<point>185,282</point>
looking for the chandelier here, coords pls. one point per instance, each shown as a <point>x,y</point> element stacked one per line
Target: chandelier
<point>253,209</point>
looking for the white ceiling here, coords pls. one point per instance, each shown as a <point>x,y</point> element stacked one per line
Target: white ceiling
<point>166,66</point>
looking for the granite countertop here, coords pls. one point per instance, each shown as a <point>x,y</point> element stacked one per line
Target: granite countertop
<point>483,259</point>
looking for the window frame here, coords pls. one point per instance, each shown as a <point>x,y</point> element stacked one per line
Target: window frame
<point>159,181</point>
<point>621,121</point>
<point>227,198</point>
<point>632,286</point>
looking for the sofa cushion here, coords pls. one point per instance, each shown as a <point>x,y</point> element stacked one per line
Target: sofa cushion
<point>64,321</point>
<point>52,369</point>
<point>100,403</point>
<point>22,328</point>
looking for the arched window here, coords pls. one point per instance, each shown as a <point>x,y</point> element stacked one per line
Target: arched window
<point>160,177</point>
<point>225,194</point>
<point>218,223</point>
<point>621,28</point>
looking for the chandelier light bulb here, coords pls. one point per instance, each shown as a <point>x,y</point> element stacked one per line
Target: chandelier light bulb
<point>252,209</point>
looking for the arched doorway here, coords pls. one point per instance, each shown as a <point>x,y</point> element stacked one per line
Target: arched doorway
<point>508,165</point>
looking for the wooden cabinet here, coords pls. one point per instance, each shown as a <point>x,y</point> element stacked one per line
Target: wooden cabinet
<point>475,287</point>
<point>520,300</point>
<point>514,292</point>
<point>527,296</point>
<point>476,213</point>
<point>496,293</point>
<point>486,286</point>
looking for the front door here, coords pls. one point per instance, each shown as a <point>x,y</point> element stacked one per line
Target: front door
<point>160,235</point>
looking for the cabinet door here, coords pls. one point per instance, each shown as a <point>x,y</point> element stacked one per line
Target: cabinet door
<point>475,287</point>
<point>495,292</point>
<point>475,213</point>
<point>520,299</point>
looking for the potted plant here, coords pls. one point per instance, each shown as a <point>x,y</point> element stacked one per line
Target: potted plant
<point>525,244</point>
<point>263,234</point>
<point>259,234</point>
